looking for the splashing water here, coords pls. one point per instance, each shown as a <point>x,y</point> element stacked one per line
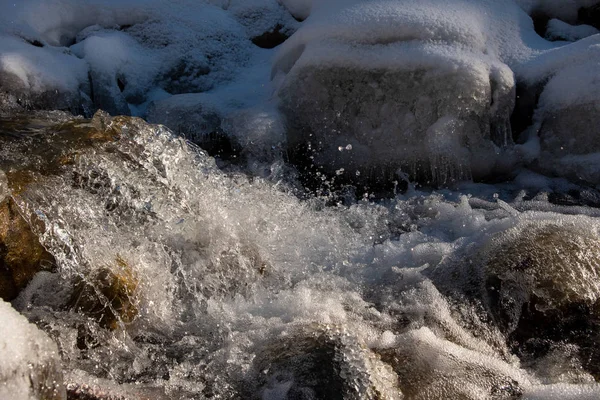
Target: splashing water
<point>177,280</point>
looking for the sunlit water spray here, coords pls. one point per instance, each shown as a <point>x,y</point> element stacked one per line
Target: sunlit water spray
<point>176,280</point>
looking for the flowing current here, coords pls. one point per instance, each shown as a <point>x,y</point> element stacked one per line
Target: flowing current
<point>235,287</point>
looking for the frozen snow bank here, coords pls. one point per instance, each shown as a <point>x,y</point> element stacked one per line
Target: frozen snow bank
<point>30,367</point>
<point>132,49</point>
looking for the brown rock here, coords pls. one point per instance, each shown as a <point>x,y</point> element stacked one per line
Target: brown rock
<point>107,295</point>
<point>21,254</point>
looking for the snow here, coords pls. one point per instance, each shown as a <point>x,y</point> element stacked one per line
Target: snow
<point>559,30</point>
<point>30,364</point>
<point>299,8</point>
<point>37,70</point>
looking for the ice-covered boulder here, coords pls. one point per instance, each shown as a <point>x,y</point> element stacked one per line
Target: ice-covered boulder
<point>370,87</point>
<point>31,366</point>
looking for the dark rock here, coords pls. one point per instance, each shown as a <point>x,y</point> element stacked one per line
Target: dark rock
<point>107,95</point>
<point>318,363</point>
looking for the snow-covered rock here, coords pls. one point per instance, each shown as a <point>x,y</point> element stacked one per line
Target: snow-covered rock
<point>267,22</point>
<point>33,77</point>
<point>567,117</point>
<point>118,53</point>
<point>299,8</point>
<point>30,367</point>
<point>559,30</point>
<point>421,86</point>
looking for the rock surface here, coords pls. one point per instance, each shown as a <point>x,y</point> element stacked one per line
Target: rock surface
<point>369,124</point>
<point>21,254</point>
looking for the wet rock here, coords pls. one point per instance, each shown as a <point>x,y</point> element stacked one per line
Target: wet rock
<point>431,368</point>
<point>31,366</point>
<point>542,287</point>
<point>364,125</point>
<point>21,254</point>
<point>537,282</point>
<point>321,363</point>
<point>108,294</point>
<point>51,141</point>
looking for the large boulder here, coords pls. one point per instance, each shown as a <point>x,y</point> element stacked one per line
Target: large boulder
<point>568,117</point>
<point>320,362</point>
<point>436,122</point>
<point>538,281</point>
<point>379,91</point>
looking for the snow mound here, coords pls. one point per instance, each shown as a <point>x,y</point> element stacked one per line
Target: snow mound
<point>36,76</point>
<point>31,366</point>
<point>559,30</point>
<point>299,8</point>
